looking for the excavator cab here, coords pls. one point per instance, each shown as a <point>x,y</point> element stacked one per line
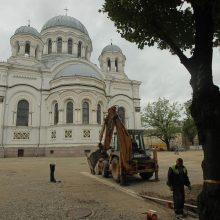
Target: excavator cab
<point>138,147</point>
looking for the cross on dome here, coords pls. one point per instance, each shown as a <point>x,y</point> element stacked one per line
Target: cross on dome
<point>66,9</point>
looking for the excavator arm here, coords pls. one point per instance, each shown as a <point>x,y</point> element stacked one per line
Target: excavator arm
<point>112,122</point>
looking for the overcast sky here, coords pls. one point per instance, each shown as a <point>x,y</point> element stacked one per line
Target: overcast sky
<point>161,74</point>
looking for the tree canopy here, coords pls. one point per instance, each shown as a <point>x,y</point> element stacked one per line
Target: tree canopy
<point>164,119</point>
<point>170,24</point>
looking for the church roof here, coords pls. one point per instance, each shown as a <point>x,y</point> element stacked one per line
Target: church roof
<point>79,69</point>
<point>66,21</point>
<point>28,30</point>
<point>111,48</point>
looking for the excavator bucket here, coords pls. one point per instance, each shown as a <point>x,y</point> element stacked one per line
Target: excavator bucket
<point>92,159</point>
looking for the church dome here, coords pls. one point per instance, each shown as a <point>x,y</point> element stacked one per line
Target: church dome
<point>28,30</point>
<point>65,21</point>
<point>79,69</point>
<point>111,48</point>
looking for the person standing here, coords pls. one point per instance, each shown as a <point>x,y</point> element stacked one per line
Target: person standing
<point>177,179</point>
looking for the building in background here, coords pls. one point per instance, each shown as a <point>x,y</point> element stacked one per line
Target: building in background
<point>53,98</point>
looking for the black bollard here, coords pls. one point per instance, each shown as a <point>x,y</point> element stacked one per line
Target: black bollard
<point>52,170</point>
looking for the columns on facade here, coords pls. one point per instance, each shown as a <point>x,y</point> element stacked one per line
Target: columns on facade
<point>137,115</point>
<point>50,118</point>
<point>14,118</point>
<point>94,113</point>
<point>65,47</point>
<point>1,117</point>
<point>22,48</point>
<point>88,55</point>
<point>14,50</point>
<point>75,49</point>
<point>60,121</point>
<point>30,119</point>
<point>83,52</point>
<point>32,50</point>
<point>39,54</point>
<point>120,66</point>
<point>112,65</point>
<point>105,66</point>
<point>54,46</point>
<point>45,49</point>
<point>78,115</point>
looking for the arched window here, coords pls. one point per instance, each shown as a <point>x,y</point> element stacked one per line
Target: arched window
<point>121,114</point>
<point>79,49</point>
<point>49,46</point>
<point>69,112</point>
<point>109,65</point>
<point>56,114</point>
<point>22,113</point>
<point>70,46</point>
<point>85,113</point>
<point>116,65</point>
<point>98,114</point>
<point>27,48</point>
<point>59,45</point>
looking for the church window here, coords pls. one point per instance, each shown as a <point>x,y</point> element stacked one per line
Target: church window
<point>85,112</point>
<point>116,65</point>
<point>49,46</point>
<point>121,114</point>
<point>59,45</point>
<point>109,65</point>
<point>69,112</point>
<point>79,49</point>
<point>27,48</point>
<point>70,46</point>
<point>56,114</point>
<point>22,113</point>
<point>99,114</point>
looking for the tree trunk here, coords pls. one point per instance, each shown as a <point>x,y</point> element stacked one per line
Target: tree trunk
<point>205,109</point>
<point>206,113</point>
<point>168,144</point>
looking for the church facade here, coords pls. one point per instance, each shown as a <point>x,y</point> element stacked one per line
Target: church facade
<point>53,98</point>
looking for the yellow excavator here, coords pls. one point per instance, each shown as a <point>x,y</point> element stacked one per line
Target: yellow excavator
<point>122,153</point>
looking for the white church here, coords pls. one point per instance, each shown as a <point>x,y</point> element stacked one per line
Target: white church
<point>53,98</point>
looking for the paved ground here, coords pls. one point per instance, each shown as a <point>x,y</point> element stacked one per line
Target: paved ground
<point>26,192</point>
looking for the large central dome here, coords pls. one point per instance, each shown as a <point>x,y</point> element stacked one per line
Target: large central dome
<point>79,69</point>
<point>66,21</point>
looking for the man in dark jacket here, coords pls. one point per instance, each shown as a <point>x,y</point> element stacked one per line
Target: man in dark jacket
<point>177,178</point>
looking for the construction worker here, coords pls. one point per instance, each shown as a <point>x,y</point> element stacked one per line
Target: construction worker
<point>177,178</point>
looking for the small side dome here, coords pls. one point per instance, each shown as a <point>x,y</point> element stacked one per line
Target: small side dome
<point>79,69</point>
<point>66,21</point>
<point>28,30</point>
<point>111,48</point>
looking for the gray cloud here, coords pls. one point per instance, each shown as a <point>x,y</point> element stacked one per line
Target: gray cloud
<point>161,73</point>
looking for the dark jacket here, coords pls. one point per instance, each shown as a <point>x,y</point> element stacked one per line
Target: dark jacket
<point>177,177</point>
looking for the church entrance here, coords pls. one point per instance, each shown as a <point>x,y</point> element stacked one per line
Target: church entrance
<point>20,152</point>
